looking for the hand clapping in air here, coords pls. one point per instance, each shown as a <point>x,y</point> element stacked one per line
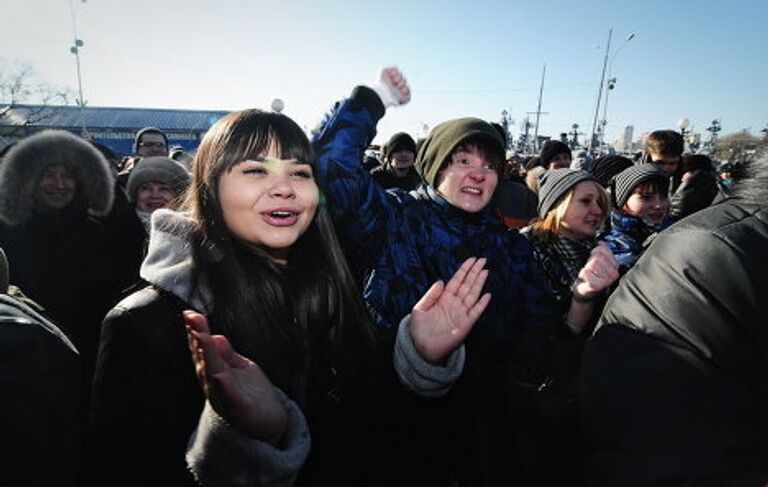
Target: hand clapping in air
<point>600,271</point>
<point>236,387</point>
<point>447,312</point>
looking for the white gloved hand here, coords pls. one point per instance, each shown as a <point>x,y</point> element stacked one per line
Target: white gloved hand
<point>392,87</point>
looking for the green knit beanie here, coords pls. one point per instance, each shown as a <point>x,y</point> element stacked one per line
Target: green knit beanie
<point>443,140</point>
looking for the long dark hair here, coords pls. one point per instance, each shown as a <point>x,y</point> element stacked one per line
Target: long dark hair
<point>287,318</point>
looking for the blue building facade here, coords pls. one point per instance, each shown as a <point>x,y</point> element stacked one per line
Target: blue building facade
<point>112,127</point>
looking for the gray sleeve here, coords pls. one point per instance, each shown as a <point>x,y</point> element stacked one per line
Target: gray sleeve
<point>420,376</point>
<point>220,455</point>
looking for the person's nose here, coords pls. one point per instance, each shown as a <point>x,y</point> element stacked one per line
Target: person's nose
<point>282,188</point>
<point>477,174</point>
<point>60,182</point>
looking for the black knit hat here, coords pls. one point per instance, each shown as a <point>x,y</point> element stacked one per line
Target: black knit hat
<point>606,167</point>
<point>551,149</point>
<point>447,136</point>
<point>400,141</point>
<point>627,180</point>
<point>555,183</point>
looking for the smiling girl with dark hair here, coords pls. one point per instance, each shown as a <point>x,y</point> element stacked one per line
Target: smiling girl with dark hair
<point>254,253</point>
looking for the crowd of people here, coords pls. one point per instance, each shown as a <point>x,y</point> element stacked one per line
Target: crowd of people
<point>294,310</point>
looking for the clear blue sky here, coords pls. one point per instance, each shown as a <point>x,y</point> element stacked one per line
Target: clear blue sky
<point>698,60</point>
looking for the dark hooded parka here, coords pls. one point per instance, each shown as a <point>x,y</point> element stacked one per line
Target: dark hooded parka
<point>59,253</point>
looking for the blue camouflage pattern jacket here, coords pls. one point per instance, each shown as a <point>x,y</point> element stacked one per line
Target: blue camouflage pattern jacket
<point>480,433</point>
<point>628,238</point>
<point>407,241</point>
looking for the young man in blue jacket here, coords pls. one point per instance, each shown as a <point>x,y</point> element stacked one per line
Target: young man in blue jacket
<point>476,433</point>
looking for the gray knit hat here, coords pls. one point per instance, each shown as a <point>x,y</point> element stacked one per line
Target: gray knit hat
<point>626,181</point>
<point>444,138</point>
<point>555,183</point>
<point>157,169</point>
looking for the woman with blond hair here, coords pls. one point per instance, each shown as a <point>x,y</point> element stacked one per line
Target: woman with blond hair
<point>572,208</point>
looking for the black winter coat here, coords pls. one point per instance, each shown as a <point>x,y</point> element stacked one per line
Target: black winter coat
<point>675,378</point>
<point>147,402</point>
<point>386,177</point>
<point>146,398</point>
<point>65,261</point>
<point>40,384</point>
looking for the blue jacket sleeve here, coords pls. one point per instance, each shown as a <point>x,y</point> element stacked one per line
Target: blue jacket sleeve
<point>361,210</point>
<point>624,249</point>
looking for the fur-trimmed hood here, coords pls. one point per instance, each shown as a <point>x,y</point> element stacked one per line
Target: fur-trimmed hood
<point>23,165</point>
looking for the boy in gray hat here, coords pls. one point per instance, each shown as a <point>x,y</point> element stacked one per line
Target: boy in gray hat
<point>640,208</point>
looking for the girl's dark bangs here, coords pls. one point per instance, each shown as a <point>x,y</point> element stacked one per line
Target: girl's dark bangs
<point>293,142</point>
<point>252,139</point>
<point>248,141</point>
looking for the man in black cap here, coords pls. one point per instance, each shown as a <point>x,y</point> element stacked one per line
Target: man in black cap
<point>397,170</point>
<point>555,155</point>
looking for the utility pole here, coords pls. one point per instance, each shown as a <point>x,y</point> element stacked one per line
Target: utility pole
<point>538,109</point>
<point>600,91</point>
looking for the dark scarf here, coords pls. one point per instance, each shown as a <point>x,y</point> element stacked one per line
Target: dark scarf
<point>560,260</point>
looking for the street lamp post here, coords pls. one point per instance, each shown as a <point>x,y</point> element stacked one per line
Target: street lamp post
<point>77,43</point>
<point>593,138</point>
<point>277,105</point>
<point>75,49</point>
<point>610,85</point>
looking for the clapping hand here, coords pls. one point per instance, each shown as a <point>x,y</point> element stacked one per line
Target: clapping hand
<point>600,271</point>
<point>236,387</point>
<point>447,312</point>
